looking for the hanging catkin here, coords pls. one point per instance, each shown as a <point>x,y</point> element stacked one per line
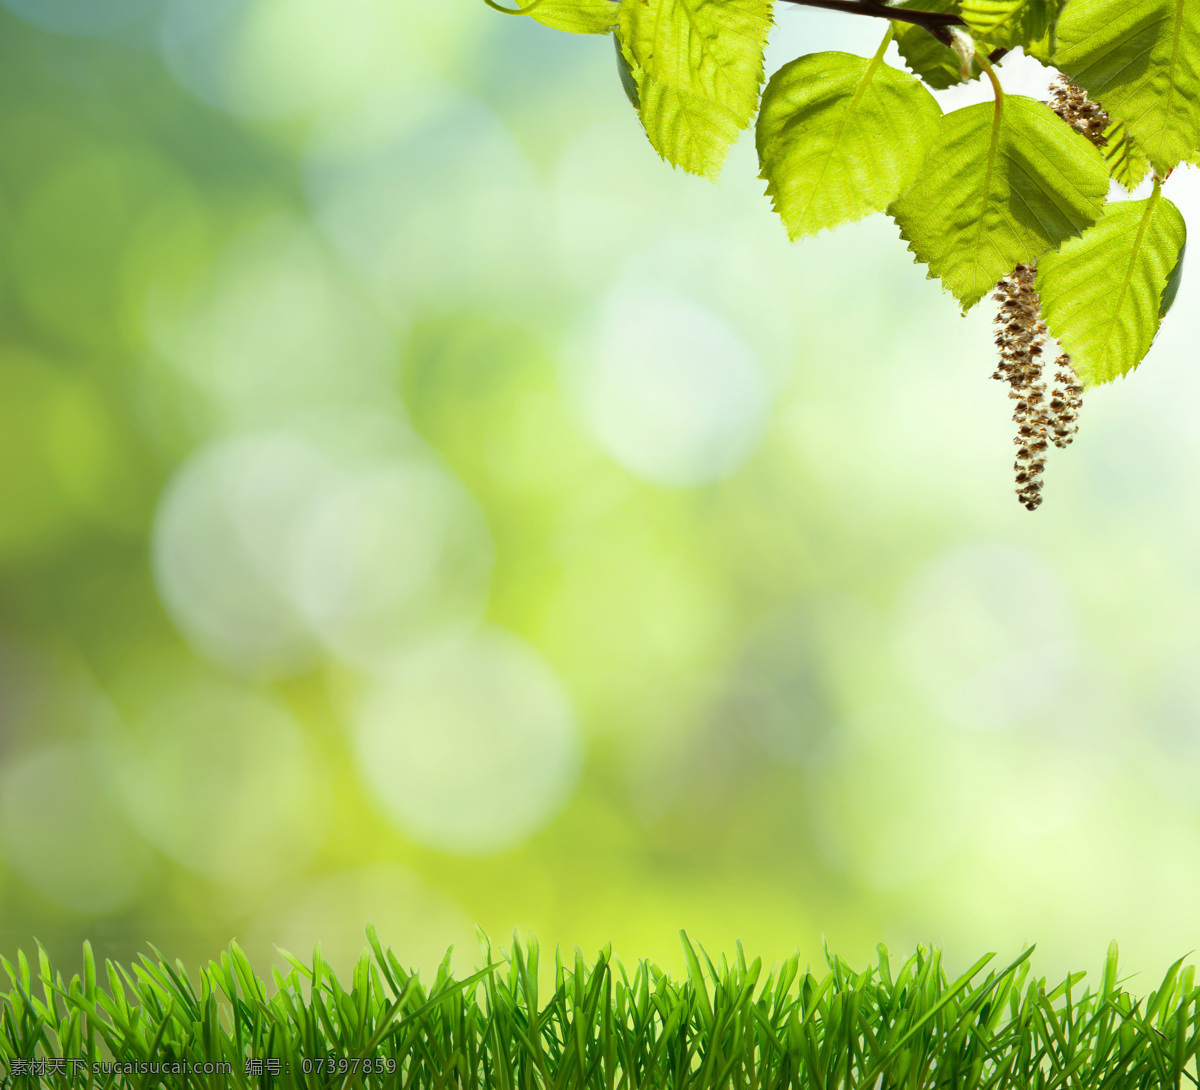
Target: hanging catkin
<point>1043,417</point>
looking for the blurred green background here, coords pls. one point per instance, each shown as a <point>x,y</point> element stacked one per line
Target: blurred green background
<point>420,505</point>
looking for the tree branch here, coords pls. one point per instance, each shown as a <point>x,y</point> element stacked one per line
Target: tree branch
<point>936,22</point>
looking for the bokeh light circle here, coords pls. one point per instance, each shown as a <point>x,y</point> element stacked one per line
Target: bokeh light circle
<point>75,241</point>
<point>222,531</point>
<point>63,834</point>
<point>218,778</point>
<point>220,52</point>
<point>388,552</point>
<point>271,550</point>
<point>669,388</point>
<point>288,58</point>
<point>431,202</point>
<point>469,744</point>
<point>283,332</point>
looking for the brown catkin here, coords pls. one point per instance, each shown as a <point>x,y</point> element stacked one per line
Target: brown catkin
<point>1072,104</point>
<point>1043,417</point>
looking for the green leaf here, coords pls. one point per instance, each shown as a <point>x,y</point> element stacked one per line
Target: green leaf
<point>687,130</point>
<point>1127,163</point>
<point>1044,48</point>
<point>1142,61</point>
<point>1006,24</point>
<point>698,65</point>
<point>577,16</point>
<point>990,20</point>
<point>1000,188</point>
<point>840,137</point>
<point>1171,291</point>
<point>709,48</point>
<point>631,75</point>
<point>938,65</point>
<point>1104,294</point>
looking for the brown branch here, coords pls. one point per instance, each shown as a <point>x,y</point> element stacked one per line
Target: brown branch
<point>933,21</point>
<point>936,22</point>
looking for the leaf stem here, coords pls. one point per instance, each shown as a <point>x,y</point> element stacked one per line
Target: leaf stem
<point>513,11</point>
<point>986,65</point>
<point>883,47</point>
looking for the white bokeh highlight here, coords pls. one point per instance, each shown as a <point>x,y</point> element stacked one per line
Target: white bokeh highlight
<point>387,554</point>
<point>469,744</point>
<point>670,389</point>
<point>221,540</point>
<point>275,59</point>
<point>272,550</point>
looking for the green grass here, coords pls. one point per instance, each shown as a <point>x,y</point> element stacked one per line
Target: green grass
<point>603,1026</point>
